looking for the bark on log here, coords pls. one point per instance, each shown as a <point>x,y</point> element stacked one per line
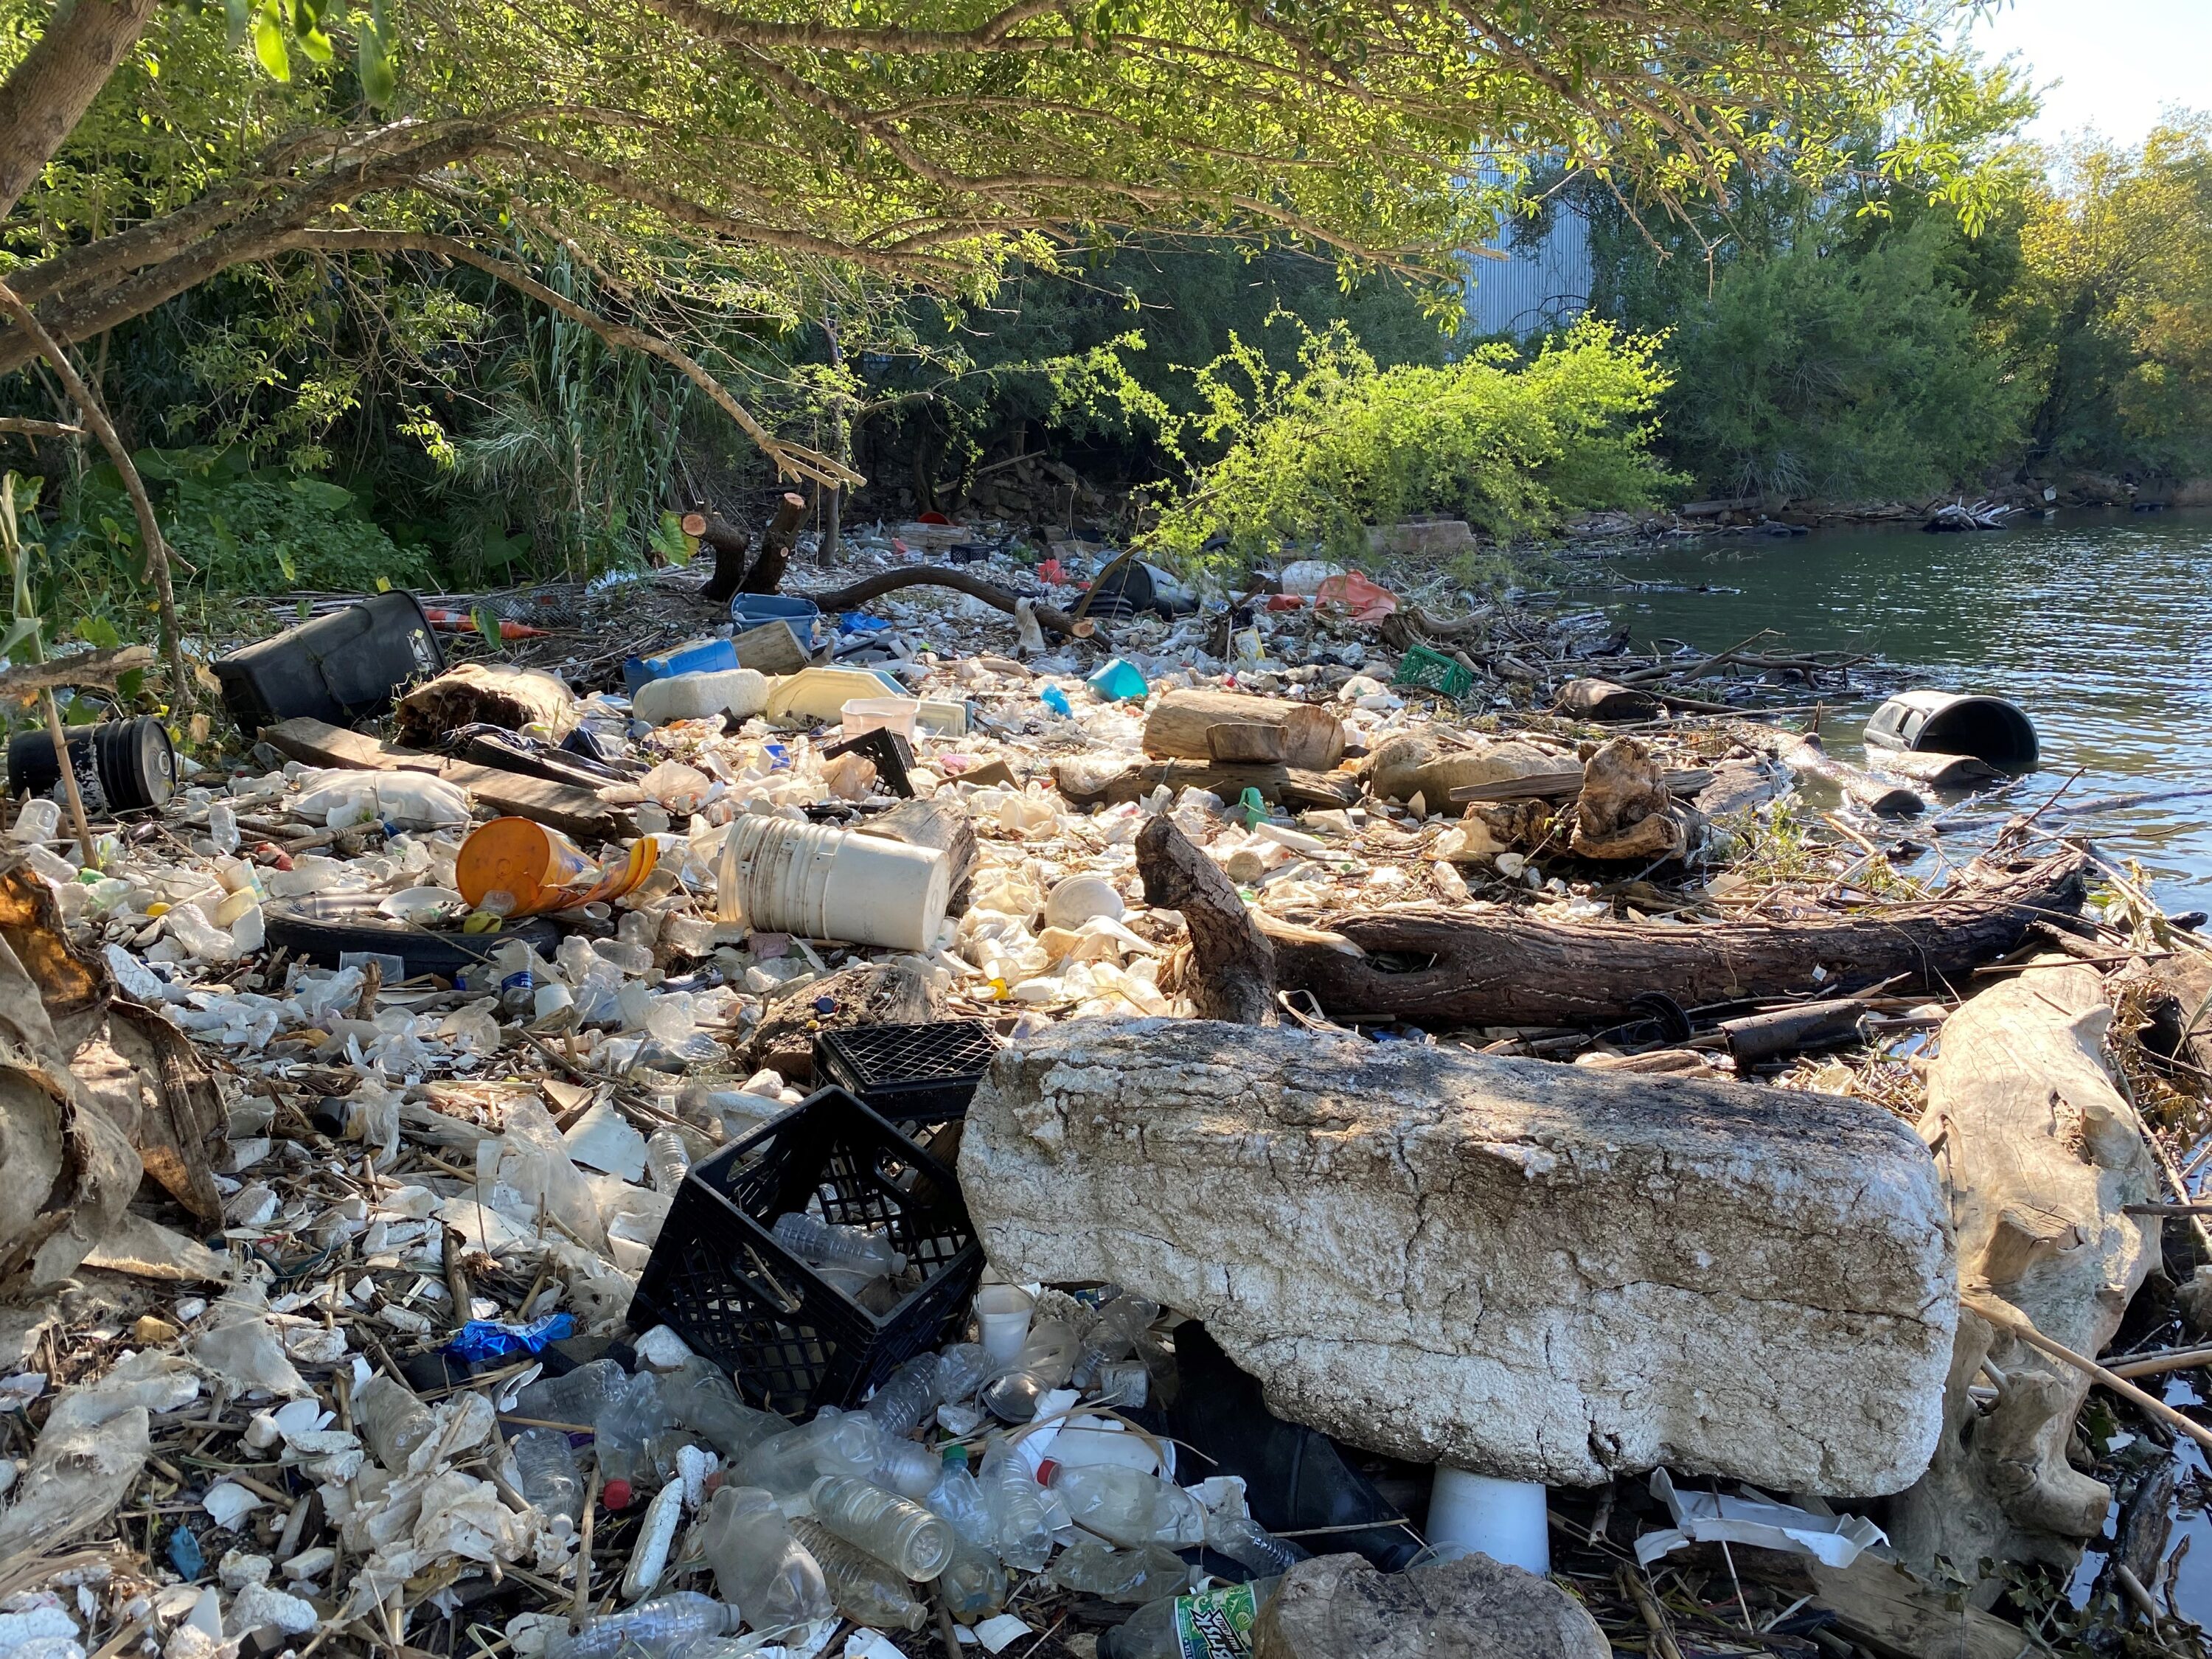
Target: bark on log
<point>23,682</point>
<point>767,574</point>
<point>1231,972</point>
<point>731,543</point>
<point>1313,739</point>
<point>853,594</point>
<point>487,694</point>
<point>2040,1155</point>
<point>1937,771</point>
<point>1443,969</point>
<point>1244,743</point>
<point>1888,800</point>
<point>1603,700</point>
<point>1541,1271</point>
<point>1284,786</point>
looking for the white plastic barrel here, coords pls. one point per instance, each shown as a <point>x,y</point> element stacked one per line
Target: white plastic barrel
<point>1504,1520</point>
<point>778,876</point>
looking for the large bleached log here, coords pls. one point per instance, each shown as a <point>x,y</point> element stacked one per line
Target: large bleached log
<point>2040,1155</point>
<point>1313,739</point>
<point>1444,969</point>
<point>1535,1271</point>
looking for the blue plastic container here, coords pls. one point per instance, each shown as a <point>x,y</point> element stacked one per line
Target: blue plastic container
<point>751,609</point>
<point>1119,681</point>
<point>705,658</point>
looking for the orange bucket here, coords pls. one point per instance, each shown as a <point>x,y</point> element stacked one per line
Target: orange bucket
<point>542,869</point>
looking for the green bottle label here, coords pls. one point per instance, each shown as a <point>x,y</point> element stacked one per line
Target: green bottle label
<point>1217,1624</point>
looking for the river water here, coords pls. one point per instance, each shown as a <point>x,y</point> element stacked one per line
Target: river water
<point>2099,625</point>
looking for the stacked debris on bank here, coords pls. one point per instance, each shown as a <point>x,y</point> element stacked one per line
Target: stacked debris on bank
<point>570,1231</point>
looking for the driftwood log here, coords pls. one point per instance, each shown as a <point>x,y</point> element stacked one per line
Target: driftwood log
<point>1313,739</point>
<point>1231,971</point>
<point>1888,800</point>
<point>487,694</point>
<point>960,581</point>
<point>24,681</point>
<point>1498,967</point>
<point>1937,771</point>
<point>1085,785</point>
<point>2040,1155</point>
<point>1603,700</point>
<point>1245,743</point>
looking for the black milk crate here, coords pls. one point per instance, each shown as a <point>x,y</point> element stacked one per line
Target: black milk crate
<point>792,1341</point>
<point>910,1073</point>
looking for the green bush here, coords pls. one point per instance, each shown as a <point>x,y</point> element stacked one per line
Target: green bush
<point>239,529</point>
<point>1320,452</point>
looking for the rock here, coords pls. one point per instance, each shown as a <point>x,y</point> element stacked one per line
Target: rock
<point>1472,1608</point>
<point>1541,1271</point>
<point>2194,1299</point>
<point>1404,767</point>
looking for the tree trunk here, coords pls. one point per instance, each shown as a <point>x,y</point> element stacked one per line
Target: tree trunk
<point>960,581</point>
<point>1231,974</point>
<point>48,93</point>
<point>1888,800</point>
<point>767,574</point>
<point>1313,739</point>
<point>2040,1155</point>
<point>1501,968</point>
<point>730,545</point>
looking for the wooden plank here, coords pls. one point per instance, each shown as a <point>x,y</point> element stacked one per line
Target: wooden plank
<point>1888,1610</point>
<point>574,811</point>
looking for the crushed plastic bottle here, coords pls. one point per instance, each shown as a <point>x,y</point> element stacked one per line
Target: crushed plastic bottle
<point>222,827</point>
<point>1016,1507</point>
<point>894,1530</point>
<point>1129,1507</point>
<point>392,1421</point>
<point>704,1399</point>
<point>39,820</point>
<point>961,1370</point>
<point>866,1590</point>
<point>828,1245</point>
<point>1046,1361</point>
<point>1215,1626</point>
<point>653,1628</point>
<point>909,1396</point>
<point>759,1564</point>
<point>973,1584</point>
<point>1251,1545</point>
<point>576,1398</point>
<point>550,1478</point>
<point>667,1160</point>
<point>853,1444</point>
<point>627,1428</point>
<point>1132,1577</point>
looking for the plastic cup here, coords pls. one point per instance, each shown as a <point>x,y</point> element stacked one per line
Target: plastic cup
<point>1003,1310</point>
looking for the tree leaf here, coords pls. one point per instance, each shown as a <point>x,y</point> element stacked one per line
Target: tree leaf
<point>269,42</point>
<point>23,629</point>
<point>99,632</point>
<point>487,626</point>
<point>379,82</point>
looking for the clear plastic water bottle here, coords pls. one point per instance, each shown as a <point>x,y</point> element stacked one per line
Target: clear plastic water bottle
<point>1128,1506</point>
<point>894,1530</point>
<point>828,1245</point>
<point>908,1397</point>
<point>1131,1577</point>
<point>1250,1544</point>
<point>576,1397</point>
<point>1016,1507</point>
<point>973,1584</point>
<point>1046,1361</point>
<point>853,1444</point>
<point>783,1464</point>
<point>39,820</point>
<point>222,827</point>
<point>759,1565</point>
<point>958,1497</point>
<point>392,1421</point>
<point>632,1418</point>
<point>651,1628</point>
<point>550,1478</point>
<point>706,1402</point>
<point>961,1370</point>
<point>864,1589</point>
<point>667,1159</point>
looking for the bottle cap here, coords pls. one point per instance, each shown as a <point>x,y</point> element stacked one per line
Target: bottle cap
<point>615,1494</point>
<point>1045,1469</point>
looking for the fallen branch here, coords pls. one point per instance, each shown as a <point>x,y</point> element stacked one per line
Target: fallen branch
<point>24,681</point>
<point>890,581</point>
<point>1457,968</point>
<point>25,426</point>
<point>1232,970</point>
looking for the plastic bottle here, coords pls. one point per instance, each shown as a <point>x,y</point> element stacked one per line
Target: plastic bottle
<point>1250,1544</point>
<point>1191,1625</point>
<point>973,1584</point>
<point>1044,1364</point>
<point>828,1245</point>
<point>783,1464</point>
<point>959,1499</point>
<point>961,1370</point>
<point>633,1418</point>
<point>758,1564</point>
<point>706,1402</point>
<point>864,1589</point>
<point>910,1395</point>
<point>222,827</point>
<point>549,1477</point>
<point>666,1160</point>
<point>39,820</point>
<point>1128,1506</point>
<point>392,1420</point>
<point>894,1530</point>
<point>1131,1577</point>
<point>574,1398</point>
<point>1016,1507</point>
<point>853,1444</point>
<point>651,1628</point>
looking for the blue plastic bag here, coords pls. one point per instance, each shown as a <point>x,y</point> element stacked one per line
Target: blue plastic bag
<point>492,1339</point>
<point>1056,700</point>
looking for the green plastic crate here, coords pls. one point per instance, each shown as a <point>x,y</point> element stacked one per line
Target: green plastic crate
<point>1425,669</point>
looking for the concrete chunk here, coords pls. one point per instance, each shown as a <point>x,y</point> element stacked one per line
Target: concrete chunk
<point>1534,1271</point>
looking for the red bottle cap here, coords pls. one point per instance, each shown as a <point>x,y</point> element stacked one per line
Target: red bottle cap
<point>615,1494</point>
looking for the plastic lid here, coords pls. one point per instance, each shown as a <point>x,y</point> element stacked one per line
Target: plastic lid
<point>1045,1471</point>
<point>956,1455</point>
<point>615,1494</point>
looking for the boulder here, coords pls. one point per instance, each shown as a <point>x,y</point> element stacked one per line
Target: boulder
<point>1539,1271</point>
<point>1471,1608</point>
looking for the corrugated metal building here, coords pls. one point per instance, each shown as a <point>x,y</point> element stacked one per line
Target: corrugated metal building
<point>1542,282</point>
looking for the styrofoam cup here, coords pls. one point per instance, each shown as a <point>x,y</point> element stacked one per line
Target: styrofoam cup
<point>1504,1520</point>
<point>1003,1310</point>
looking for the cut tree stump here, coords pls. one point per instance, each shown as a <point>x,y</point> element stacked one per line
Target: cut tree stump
<point>1313,739</point>
<point>1231,974</point>
<point>2040,1155</point>
<point>1445,968</point>
<point>1244,743</point>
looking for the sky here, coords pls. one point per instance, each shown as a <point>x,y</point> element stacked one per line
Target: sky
<point>2119,62</point>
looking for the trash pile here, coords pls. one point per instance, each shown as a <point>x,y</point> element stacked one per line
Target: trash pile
<point>746,1141</point>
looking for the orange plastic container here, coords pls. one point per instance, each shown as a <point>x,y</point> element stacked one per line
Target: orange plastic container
<point>541,870</point>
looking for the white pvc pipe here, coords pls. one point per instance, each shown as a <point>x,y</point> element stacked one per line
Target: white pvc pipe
<point>1504,1520</point>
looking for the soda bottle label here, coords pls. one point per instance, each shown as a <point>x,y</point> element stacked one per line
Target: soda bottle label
<point>1217,1624</point>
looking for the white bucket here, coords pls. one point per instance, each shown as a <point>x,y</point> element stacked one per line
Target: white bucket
<point>1504,1520</point>
<point>807,879</point>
